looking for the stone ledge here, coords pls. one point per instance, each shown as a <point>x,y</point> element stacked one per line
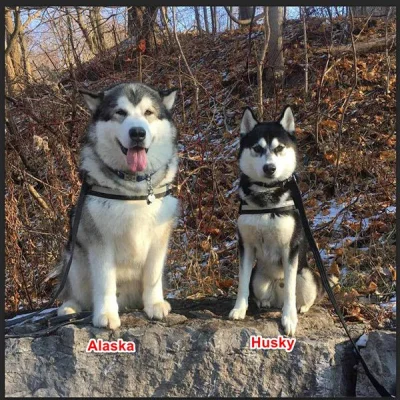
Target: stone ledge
<point>196,352</point>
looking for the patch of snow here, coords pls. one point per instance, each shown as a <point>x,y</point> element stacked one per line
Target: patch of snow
<point>230,244</point>
<point>391,305</point>
<point>342,242</point>
<point>197,136</point>
<point>328,258</point>
<point>234,188</point>
<point>334,209</point>
<point>362,341</point>
<point>40,315</point>
<point>173,294</point>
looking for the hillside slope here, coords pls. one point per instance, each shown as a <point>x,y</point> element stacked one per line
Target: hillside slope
<point>351,203</point>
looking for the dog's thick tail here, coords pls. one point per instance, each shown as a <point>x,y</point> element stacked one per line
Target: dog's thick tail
<point>332,279</point>
<point>56,274</point>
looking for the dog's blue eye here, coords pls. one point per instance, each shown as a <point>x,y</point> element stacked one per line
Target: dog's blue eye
<point>278,149</point>
<point>258,149</point>
<point>121,112</point>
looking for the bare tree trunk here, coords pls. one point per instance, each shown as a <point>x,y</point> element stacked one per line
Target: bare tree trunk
<point>245,12</point>
<point>206,20</point>
<point>363,11</point>
<point>60,34</point>
<point>198,23</point>
<point>116,37</point>
<point>88,35</point>
<point>14,63</point>
<point>71,39</point>
<point>275,60</point>
<point>99,28</point>
<point>261,60</point>
<point>25,61</point>
<point>230,19</point>
<point>93,30</point>
<point>195,83</point>
<point>387,51</point>
<point>242,22</point>
<point>345,105</point>
<point>213,12</point>
<point>10,76</point>
<point>305,53</point>
<point>140,23</point>
<point>164,17</point>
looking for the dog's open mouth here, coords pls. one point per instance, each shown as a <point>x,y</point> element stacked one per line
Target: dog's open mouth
<point>136,157</point>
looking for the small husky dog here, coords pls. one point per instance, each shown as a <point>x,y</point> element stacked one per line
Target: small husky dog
<point>121,245</point>
<point>274,238</point>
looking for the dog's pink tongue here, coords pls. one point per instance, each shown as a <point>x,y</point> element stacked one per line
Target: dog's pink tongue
<point>137,159</point>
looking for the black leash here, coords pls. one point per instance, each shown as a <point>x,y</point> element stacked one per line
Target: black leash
<point>296,194</point>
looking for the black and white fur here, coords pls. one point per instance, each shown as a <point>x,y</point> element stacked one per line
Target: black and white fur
<point>274,241</point>
<point>122,245</point>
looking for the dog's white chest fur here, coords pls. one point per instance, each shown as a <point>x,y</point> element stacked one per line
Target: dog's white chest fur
<point>276,231</point>
<point>267,234</point>
<point>130,227</point>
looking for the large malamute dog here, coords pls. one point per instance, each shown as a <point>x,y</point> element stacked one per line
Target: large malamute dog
<point>130,150</point>
<point>270,230</point>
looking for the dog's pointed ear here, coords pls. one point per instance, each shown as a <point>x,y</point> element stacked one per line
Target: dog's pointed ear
<point>92,99</point>
<point>249,121</point>
<point>287,120</point>
<point>168,97</point>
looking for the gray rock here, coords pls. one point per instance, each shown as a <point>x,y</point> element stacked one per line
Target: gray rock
<point>380,356</point>
<point>195,352</point>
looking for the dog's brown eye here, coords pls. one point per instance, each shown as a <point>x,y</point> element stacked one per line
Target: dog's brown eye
<point>258,149</point>
<point>148,112</point>
<point>123,113</point>
<point>279,149</point>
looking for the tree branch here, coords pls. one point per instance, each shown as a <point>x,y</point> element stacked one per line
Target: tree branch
<point>243,21</point>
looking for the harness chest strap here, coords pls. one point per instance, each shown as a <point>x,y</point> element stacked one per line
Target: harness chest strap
<point>113,194</point>
<point>250,209</point>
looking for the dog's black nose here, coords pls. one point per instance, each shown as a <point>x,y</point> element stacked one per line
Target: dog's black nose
<point>269,169</point>
<point>137,133</point>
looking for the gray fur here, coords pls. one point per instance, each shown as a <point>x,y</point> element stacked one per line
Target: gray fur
<point>121,245</point>
<point>274,242</point>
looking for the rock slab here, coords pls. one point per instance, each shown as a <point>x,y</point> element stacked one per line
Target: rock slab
<point>196,352</point>
<point>380,356</point>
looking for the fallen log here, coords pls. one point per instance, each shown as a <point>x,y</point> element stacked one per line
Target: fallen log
<point>362,47</point>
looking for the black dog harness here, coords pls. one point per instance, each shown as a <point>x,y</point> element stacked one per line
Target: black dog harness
<point>152,193</point>
<point>246,208</point>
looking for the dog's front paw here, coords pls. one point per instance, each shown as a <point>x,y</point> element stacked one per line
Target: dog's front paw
<point>158,311</point>
<point>107,316</point>
<point>238,313</point>
<point>107,319</point>
<point>303,309</point>
<point>69,307</point>
<point>263,303</point>
<point>289,320</point>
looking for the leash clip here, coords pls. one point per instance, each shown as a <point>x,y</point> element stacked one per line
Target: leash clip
<point>150,191</point>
